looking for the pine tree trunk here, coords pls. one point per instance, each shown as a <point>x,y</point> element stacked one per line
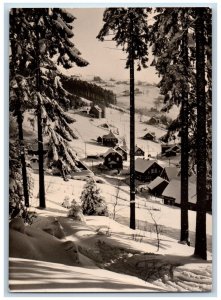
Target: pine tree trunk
<point>42,203</point>
<point>201,243</point>
<point>132,139</point>
<point>22,155</point>
<point>184,233</point>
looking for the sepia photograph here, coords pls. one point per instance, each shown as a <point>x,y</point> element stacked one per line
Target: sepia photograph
<point>110,149</point>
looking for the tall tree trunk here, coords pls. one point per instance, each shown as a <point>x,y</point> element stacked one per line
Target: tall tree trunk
<point>132,137</point>
<point>42,203</point>
<point>184,233</point>
<point>201,243</point>
<point>22,155</point>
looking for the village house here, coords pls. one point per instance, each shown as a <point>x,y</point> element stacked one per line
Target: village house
<point>96,111</point>
<point>170,150</point>
<point>153,121</point>
<point>99,139</point>
<point>150,136</point>
<point>147,170</point>
<point>169,173</point>
<point>138,151</point>
<point>171,195</point>
<point>113,159</point>
<point>122,151</point>
<point>157,186</point>
<point>110,139</point>
<point>86,109</point>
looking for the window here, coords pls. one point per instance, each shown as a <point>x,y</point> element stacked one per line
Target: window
<point>109,159</point>
<point>117,158</point>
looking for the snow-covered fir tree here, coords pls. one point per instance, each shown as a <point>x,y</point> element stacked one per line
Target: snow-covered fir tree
<point>41,38</point>
<point>92,201</point>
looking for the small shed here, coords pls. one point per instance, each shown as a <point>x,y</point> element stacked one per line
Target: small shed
<point>157,186</point>
<point>122,151</point>
<point>170,150</point>
<point>34,162</point>
<point>138,151</point>
<point>96,111</point>
<point>110,139</point>
<point>113,159</point>
<point>147,170</point>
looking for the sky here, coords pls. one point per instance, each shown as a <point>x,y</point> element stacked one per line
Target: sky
<point>103,61</point>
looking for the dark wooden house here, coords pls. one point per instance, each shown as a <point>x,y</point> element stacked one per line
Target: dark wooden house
<point>113,159</point>
<point>122,151</point>
<point>110,139</point>
<point>138,151</point>
<point>172,196</point>
<point>170,150</point>
<point>169,173</point>
<point>157,186</point>
<point>150,136</point>
<point>153,121</point>
<point>96,111</point>
<point>147,170</point>
<point>99,139</point>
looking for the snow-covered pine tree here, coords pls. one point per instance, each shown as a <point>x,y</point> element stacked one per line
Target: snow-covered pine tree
<point>42,39</point>
<point>129,29</point>
<point>171,38</point>
<point>92,201</point>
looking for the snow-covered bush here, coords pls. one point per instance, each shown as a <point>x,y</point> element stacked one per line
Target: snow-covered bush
<point>92,201</point>
<point>75,211</point>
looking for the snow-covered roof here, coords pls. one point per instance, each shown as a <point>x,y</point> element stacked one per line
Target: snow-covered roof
<point>173,191</point>
<point>171,172</point>
<point>111,150</point>
<point>141,165</point>
<point>153,184</point>
<point>97,108</point>
<point>110,135</point>
<point>138,148</point>
<point>120,148</point>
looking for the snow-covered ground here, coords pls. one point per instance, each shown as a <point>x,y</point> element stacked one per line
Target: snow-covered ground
<point>100,254</point>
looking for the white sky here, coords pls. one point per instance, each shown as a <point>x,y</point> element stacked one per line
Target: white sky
<point>104,62</point>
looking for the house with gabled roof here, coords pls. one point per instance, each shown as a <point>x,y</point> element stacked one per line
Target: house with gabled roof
<point>96,111</point>
<point>113,159</point>
<point>147,170</point>
<point>157,186</point>
<point>150,136</point>
<point>122,151</point>
<point>169,173</point>
<point>172,195</point>
<point>138,151</point>
<point>110,139</point>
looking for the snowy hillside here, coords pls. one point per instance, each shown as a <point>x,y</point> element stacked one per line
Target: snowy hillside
<point>67,259</point>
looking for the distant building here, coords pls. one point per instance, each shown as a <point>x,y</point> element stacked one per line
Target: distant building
<point>147,170</point>
<point>122,151</point>
<point>110,139</point>
<point>99,139</point>
<point>113,159</point>
<point>157,186</point>
<point>153,121</point>
<point>138,151</point>
<point>96,111</point>
<point>170,150</point>
<point>169,173</point>
<point>172,196</point>
<point>86,109</point>
<point>149,136</point>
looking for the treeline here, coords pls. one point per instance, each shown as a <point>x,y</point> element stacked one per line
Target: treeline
<point>89,91</point>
